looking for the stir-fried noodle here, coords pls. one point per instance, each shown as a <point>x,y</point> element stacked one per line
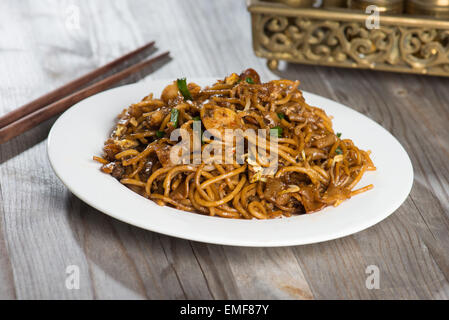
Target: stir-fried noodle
<point>315,168</point>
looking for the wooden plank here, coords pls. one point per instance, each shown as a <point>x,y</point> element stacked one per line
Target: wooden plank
<point>44,229</point>
<point>252,273</point>
<point>145,251</point>
<point>198,57</point>
<point>216,269</point>
<point>7,289</point>
<point>268,273</point>
<point>35,214</point>
<point>428,271</point>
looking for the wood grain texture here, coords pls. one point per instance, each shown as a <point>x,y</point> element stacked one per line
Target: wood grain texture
<point>44,112</point>
<point>69,88</point>
<point>44,228</point>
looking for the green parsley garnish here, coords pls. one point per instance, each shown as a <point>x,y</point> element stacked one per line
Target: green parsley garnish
<point>182,86</point>
<point>249,80</point>
<point>174,117</point>
<point>339,134</point>
<point>276,131</point>
<point>160,134</point>
<point>339,151</point>
<point>281,116</point>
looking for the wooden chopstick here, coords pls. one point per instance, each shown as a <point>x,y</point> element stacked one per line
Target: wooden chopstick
<point>67,89</point>
<point>30,121</point>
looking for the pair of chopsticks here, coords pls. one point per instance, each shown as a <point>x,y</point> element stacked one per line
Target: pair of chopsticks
<point>30,115</point>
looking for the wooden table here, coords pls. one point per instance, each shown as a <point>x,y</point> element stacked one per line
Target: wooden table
<point>44,228</point>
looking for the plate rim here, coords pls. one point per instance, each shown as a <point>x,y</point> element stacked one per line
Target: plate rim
<point>229,242</point>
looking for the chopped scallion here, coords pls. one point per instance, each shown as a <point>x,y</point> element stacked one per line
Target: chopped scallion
<point>182,86</point>
<point>174,117</point>
<point>276,131</point>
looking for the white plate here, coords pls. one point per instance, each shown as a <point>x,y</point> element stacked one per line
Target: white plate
<point>81,131</point>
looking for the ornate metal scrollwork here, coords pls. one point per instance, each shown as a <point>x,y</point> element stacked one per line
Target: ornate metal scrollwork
<point>333,38</point>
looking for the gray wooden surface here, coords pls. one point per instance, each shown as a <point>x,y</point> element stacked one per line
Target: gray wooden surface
<point>44,228</point>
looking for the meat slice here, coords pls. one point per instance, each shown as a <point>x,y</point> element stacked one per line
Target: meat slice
<point>326,141</point>
<point>308,196</point>
<point>273,191</point>
<point>315,153</point>
<point>110,150</point>
<point>163,154</point>
<point>334,194</point>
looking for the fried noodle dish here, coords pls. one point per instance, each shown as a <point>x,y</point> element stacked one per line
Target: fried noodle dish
<point>316,167</point>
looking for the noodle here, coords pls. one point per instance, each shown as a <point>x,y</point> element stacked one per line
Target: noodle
<point>315,167</point>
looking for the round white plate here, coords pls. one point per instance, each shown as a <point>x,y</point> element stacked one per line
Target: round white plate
<point>81,131</point>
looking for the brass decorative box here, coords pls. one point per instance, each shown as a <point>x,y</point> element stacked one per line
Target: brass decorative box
<point>339,37</point>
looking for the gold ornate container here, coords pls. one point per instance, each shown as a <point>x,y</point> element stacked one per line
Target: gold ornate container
<point>385,6</point>
<point>296,3</point>
<point>340,38</point>
<point>435,8</point>
<point>335,3</point>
